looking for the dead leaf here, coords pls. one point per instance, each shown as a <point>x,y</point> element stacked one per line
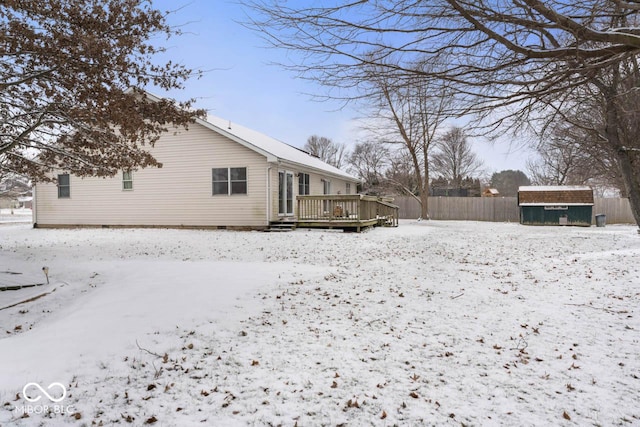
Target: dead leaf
<point>353,403</point>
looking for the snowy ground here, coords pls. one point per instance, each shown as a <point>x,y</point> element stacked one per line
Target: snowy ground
<point>431,323</point>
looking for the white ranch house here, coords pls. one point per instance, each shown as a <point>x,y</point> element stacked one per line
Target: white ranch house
<point>216,174</point>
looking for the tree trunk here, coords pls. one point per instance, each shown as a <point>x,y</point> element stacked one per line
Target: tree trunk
<point>424,191</point>
<point>629,164</point>
<point>424,204</point>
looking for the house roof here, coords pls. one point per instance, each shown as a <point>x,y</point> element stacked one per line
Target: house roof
<point>269,147</point>
<point>546,195</point>
<point>272,148</point>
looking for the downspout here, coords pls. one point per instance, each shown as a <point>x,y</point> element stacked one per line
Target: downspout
<point>34,206</point>
<point>268,195</point>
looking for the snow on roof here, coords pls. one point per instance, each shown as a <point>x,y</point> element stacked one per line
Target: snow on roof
<point>551,195</point>
<point>267,145</point>
<point>554,188</point>
<point>554,204</point>
<point>264,144</point>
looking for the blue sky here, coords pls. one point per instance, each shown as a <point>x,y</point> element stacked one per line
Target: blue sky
<point>244,88</point>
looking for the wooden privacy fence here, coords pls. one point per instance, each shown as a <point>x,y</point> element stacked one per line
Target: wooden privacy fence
<point>618,211</point>
<point>499,209</point>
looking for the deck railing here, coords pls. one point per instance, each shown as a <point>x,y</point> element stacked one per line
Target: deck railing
<point>346,208</point>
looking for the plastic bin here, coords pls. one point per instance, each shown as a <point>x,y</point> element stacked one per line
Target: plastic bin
<point>601,220</point>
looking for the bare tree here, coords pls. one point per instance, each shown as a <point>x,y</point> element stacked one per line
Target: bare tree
<point>369,160</point>
<point>65,71</point>
<point>400,176</point>
<point>575,150</point>
<point>409,112</point>
<point>326,150</point>
<point>518,65</point>
<point>453,158</point>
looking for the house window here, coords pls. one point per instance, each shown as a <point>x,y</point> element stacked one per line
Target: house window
<point>64,187</point>
<point>326,189</point>
<point>348,188</point>
<point>127,180</point>
<point>303,184</point>
<point>229,181</point>
<point>326,186</point>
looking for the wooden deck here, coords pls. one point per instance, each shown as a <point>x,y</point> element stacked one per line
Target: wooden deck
<point>347,212</point>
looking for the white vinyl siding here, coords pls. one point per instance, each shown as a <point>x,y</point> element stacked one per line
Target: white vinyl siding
<point>178,194</point>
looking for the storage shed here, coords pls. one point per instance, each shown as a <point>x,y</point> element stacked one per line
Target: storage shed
<point>555,205</point>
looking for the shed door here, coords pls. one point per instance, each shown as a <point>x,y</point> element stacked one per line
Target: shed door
<point>285,193</point>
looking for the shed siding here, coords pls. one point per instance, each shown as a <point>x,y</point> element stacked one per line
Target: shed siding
<point>538,215</point>
<point>178,194</point>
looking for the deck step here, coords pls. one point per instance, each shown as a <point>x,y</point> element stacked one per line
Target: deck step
<point>281,226</point>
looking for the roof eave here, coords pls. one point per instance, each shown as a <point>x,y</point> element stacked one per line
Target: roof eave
<point>321,171</point>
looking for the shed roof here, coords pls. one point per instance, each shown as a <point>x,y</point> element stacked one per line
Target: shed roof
<point>567,195</point>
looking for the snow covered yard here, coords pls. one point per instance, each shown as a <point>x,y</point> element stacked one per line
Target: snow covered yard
<point>431,323</point>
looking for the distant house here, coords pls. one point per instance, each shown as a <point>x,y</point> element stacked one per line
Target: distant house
<point>25,202</point>
<point>216,174</point>
<point>555,205</point>
<point>490,192</point>
<point>15,192</point>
